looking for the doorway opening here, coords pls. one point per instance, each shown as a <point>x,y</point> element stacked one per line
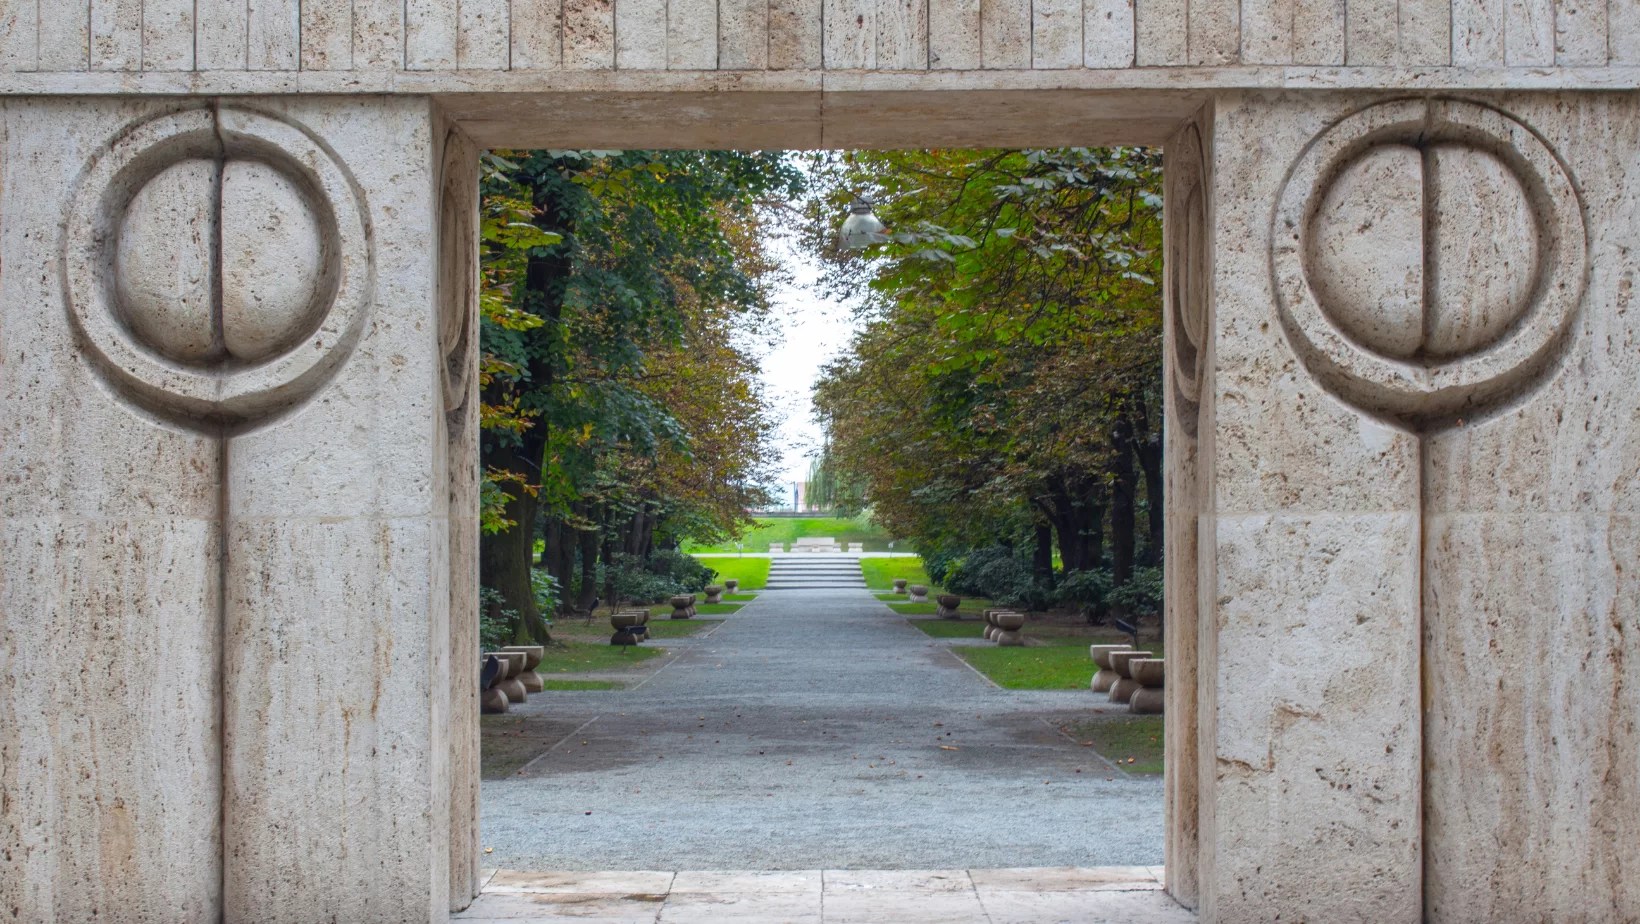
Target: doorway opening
<point>814,716</point>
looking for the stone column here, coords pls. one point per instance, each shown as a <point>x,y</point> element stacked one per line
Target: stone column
<point>227,444</point>
<point>1307,666</point>
<point>1424,581</point>
<point>1187,356</point>
<point>110,564</point>
<point>338,791</point>
<point>1532,541</point>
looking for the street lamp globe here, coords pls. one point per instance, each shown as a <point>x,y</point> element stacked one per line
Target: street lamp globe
<point>861,228</point>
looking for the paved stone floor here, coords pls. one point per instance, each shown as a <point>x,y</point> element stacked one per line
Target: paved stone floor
<point>1117,895</point>
<point>818,730</point>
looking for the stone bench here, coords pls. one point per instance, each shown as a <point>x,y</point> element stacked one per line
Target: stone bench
<point>532,660</point>
<point>1149,698</point>
<point>1123,689</point>
<point>1105,675</point>
<point>947,606</point>
<point>919,593</point>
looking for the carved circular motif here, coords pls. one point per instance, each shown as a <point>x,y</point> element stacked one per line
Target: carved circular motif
<point>1186,274</point>
<point>1429,257</point>
<point>217,264</point>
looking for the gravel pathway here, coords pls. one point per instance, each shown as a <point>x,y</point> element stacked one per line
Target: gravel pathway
<point>818,730</point>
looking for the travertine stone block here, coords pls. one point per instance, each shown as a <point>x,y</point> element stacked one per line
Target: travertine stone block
<point>902,35</point>
<point>1107,33</point>
<point>795,39</point>
<point>849,34</point>
<point>19,35</point>
<point>116,35</point>
<point>1529,33</point>
<point>430,35</point>
<point>109,543</point>
<point>65,36</point>
<point>1310,774</point>
<point>327,35</point>
<point>220,36</point>
<point>1158,39</point>
<point>484,41</point>
<point>1056,33</point>
<point>1530,588</point>
<point>168,35</point>
<point>589,34</point>
<point>378,34</point>
<point>691,35</point>
<point>953,34</point>
<point>275,35</point>
<point>743,34</point>
<point>1005,34</point>
<point>640,34</point>
<point>537,34</point>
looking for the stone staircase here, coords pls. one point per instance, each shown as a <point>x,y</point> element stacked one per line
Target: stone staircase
<point>808,570</point>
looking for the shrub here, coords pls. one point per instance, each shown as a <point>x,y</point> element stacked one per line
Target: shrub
<point>1084,589</point>
<point>652,580</point>
<point>1141,595</point>
<point>999,573</point>
<point>494,623</point>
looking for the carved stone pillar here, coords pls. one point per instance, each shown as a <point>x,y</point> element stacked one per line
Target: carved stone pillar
<point>229,399</point>
<point>1418,439</point>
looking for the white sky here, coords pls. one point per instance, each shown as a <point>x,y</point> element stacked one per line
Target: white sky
<point>810,331</point>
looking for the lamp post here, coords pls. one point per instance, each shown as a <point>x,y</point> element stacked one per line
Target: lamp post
<point>861,228</point>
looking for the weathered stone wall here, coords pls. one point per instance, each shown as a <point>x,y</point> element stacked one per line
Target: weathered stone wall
<point>160,36</point>
<point>238,461</point>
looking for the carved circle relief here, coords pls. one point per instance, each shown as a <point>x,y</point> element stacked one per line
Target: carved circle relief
<point>217,263</point>
<point>458,275</point>
<point>1429,257</point>
<point>1186,273</point>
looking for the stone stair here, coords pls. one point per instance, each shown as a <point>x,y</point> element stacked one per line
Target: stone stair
<point>806,570</point>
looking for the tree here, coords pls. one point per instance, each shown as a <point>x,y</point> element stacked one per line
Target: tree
<point>600,267</point>
<point>1004,389</point>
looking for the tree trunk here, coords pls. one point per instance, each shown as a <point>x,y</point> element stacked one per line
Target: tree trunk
<point>589,571</point>
<point>1042,557</point>
<point>1124,487</point>
<point>1147,445</point>
<point>504,558</point>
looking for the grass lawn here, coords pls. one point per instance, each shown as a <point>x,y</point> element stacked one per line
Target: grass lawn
<point>752,573</point>
<point>1132,742</point>
<point>571,655</point>
<point>552,684</point>
<point>881,573</point>
<point>739,598</point>
<point>777,530</point>
<point>664,610</point>
<point>1057,661</point>
<point>969,608</point>
<point>949,628</point>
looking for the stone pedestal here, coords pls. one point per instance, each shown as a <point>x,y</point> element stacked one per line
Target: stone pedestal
<point>1124,686</point>
<point>532,659</point>
<point>919,593</point>
<point>225,458</point>
<point>1105,675</point>
<point>1149,697</point>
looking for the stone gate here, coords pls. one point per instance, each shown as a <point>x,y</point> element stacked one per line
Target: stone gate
<point>237,447</point>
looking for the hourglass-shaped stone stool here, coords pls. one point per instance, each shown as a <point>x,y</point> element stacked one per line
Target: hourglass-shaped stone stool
<point>1122,690</point>
<point>714,594</point>
<point>532,659</point>
<point>919,593</point>
<point>947,606</point>
<point>1008,625</point>
<point>1149,697</point>
<point>1105,676</point>
<point>491,701</point>
<point>511,685</point>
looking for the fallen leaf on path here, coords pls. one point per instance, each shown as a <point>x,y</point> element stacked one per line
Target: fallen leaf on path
<point>949,747</point>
